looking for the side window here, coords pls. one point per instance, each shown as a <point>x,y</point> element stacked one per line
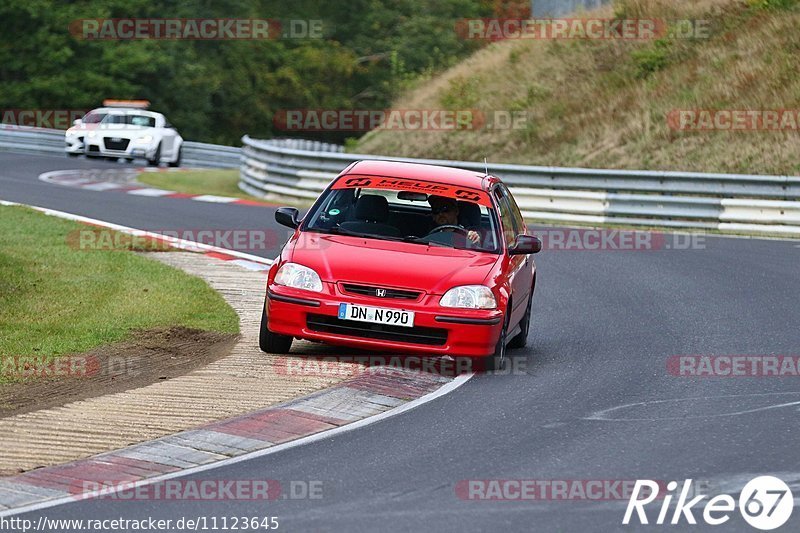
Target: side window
<point>506,217</point>
<point>519,222</point>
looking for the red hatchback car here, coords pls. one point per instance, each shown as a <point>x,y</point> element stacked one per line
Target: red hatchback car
<point>405,257</point>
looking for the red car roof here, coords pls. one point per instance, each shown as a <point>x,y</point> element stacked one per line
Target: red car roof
<point>418,171</point>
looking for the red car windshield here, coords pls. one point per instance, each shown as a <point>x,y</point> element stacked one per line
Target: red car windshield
<point>408,215</point>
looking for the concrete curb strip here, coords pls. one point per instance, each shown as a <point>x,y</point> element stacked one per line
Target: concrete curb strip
<point>372,394</point>
<point>347,403</point>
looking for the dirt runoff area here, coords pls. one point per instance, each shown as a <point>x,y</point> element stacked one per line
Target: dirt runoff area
<point>147,357</point>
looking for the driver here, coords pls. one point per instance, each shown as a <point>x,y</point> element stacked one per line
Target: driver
<point>444,212</point>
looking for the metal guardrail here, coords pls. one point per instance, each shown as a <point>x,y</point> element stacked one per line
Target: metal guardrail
<point>205,155</point>
<point>726,202</point>
<point>49,141</point>
<point>301,169</point>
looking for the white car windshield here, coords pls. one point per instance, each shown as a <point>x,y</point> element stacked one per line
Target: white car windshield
<point>132,120</point>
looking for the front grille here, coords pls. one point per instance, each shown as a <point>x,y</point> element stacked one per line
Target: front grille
<point>367,290</point>
<point>122,144</point>
<point>94,148</point>
<point>353,328</point>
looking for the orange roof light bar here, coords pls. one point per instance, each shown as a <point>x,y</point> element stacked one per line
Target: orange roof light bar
<point>139,104</point>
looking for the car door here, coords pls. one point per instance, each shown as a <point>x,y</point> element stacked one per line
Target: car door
<point>519,269</point>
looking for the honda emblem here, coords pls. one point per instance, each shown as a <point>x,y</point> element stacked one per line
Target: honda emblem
<point>380,293</point>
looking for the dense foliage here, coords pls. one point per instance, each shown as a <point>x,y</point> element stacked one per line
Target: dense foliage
<point>218,90</point>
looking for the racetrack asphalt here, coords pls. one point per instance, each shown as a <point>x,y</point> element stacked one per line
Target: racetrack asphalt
<point>605,324</point>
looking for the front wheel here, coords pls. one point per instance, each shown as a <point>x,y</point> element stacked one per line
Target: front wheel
<point>521,339</point>
<point>177,161</point>
<point>272,342</point>
<point>497,360</point>
<point>156,158</point>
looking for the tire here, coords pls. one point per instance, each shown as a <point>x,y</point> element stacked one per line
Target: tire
<point>497,360</point>
<point>272,342</point>
<point>520,340</point>
<point>156,158</point>
<point>177,161</point>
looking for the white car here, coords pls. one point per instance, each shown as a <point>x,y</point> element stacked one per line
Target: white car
<point>125,129</point>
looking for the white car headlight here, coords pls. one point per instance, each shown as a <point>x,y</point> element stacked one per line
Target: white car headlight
<point>469,297</point>
<point>144,139</point>
<point>299,277</point>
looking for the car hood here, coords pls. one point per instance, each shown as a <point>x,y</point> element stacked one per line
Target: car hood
<point>433,269</point>
<point>125,131</point>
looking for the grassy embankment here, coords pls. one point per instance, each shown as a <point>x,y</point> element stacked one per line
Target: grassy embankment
<point>57,299</point>
<point>605,103</point>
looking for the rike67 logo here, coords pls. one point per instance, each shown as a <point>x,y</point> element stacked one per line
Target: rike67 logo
<point>765,503</point>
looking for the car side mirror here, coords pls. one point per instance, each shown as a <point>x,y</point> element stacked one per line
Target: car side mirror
<point>525,244</point>
<point>77,122</point>
<point>288,216</point>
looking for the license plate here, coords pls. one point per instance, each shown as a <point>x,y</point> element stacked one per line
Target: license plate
<point>376,315</point>
<point>116,139</point>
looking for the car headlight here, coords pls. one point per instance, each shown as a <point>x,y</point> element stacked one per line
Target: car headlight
<point>299,277</point>
<point>469,297</point>
<point>144,139</point>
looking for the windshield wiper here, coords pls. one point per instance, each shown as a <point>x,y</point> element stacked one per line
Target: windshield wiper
<point>350,233</point>
<point>422,240</point>
<point>338,230</point>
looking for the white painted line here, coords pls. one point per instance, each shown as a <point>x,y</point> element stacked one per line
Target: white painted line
<point>214,199</point>
<point>441,391</point>
<point>150,192</point>
<point>603,415</point>
<point>250,265</point>
<point>175,242</point>
<point>103,186</point>
<point>65,177</point>
<point>72,182</point>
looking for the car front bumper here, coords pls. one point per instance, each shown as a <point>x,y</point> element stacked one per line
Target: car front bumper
<point>74,144</point>
<point>97,146</point>
<point>436,331</point>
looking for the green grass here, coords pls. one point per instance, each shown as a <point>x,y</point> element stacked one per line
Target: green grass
<point>56,299</point>
<point>216,182</point>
